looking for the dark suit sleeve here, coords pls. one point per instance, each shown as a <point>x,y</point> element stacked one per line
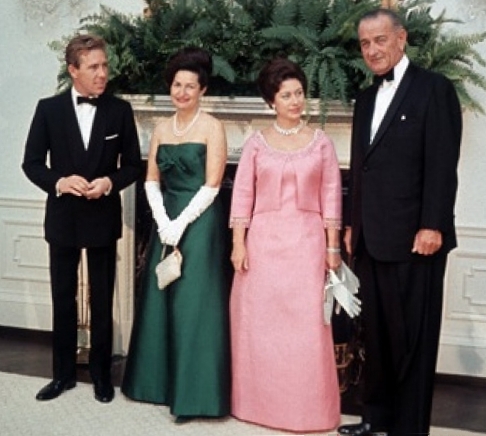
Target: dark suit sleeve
<point>36,153</point>
<point>130,167</point>
<point>443,129</point>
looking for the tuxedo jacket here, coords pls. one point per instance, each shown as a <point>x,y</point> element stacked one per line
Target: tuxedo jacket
<point>55,149</point>
<point>406,179</point>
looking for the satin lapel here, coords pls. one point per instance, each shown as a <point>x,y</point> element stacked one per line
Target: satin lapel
<point>73,132</point>
<point>96,140</point>
<point>394,105</point>
<point>369,107</point>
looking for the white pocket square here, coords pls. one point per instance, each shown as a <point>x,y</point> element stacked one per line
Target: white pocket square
<point>107,138</point>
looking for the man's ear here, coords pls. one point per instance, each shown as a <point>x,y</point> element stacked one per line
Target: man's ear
<point>73,71</point>
<point>402,36</point>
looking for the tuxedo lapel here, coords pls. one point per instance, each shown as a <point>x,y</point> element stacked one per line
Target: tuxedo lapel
<point>369,106</point>
<point>394,105</point>
<point>96,140</point>
<point>73,132</point>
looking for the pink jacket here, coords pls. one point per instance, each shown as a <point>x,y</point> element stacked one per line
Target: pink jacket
<point>258,179</point>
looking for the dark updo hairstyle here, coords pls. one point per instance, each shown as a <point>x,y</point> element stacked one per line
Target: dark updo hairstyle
<point>274,73</point>
<point>193,59</point>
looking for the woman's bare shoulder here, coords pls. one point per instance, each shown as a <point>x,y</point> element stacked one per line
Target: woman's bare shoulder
<point>210,121</point>
<point>161,129</point>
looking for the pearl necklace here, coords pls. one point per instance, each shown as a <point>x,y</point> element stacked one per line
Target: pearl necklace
<point>288,132</point>
<point>182,132</point>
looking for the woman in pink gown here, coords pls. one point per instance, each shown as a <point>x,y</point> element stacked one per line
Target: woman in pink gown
<point>286,216</point>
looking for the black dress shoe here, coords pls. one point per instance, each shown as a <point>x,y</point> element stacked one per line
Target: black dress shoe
<point>361,429</point>
<point>54,389</point>
<point>103,391</point>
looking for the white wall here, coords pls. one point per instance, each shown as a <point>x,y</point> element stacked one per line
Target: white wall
<point>472,170</point>
<point>463,338</point>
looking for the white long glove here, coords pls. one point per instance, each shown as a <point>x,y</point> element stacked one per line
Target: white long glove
<point>156,203</point>
<point>198,204</point>
<point>343,286</point>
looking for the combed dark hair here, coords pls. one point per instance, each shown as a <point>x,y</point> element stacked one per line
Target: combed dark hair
<point>193,59</point>
<point>79,44</point>
<point>392,15</point>
<point>274,73</point>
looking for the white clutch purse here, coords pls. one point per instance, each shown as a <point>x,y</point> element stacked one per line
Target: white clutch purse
<point>169,268</point>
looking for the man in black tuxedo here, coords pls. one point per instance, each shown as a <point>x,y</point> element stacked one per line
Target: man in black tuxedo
<point>92,144</point>
<point>400,225</point>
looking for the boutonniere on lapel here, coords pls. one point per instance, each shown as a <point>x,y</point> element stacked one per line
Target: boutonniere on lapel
<point>403,117</point>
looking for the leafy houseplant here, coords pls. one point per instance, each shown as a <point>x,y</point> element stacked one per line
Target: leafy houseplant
<point>320,35</point>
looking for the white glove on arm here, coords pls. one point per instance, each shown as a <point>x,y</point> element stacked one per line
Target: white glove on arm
<point>198,204</point>
<point>156,203</point>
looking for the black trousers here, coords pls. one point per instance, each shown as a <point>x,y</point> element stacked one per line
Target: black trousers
<point>64,262</point>
<point>402,306</point>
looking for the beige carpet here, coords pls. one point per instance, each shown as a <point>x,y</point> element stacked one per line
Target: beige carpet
<point>77,413</point>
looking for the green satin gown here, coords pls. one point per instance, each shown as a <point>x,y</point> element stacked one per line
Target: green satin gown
<point>179,347</point>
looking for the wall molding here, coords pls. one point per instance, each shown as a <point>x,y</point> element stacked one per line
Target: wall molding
<point>463,334</point>
<point>25,296</point>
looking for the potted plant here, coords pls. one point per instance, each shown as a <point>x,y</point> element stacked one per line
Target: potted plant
<point>242,34</point>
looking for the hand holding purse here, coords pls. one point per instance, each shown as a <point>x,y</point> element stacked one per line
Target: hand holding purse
<point>169,268</point>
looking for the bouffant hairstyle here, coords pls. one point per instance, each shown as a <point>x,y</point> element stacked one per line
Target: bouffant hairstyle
<point>193,59</point>
<point>80,44</point>
<point>274,73</point>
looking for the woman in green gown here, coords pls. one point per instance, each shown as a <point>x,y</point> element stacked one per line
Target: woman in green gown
<point>179,347</point>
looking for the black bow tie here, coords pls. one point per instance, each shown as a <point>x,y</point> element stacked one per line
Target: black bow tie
<point>389,77</point>
<point>93,101</point>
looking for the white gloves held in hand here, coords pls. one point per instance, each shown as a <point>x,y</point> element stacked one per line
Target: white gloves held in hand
<point>172,233</point>
<point>343,286</point>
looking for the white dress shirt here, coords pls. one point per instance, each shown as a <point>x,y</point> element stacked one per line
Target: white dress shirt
<point>85,114</point>
<point>385,95</point>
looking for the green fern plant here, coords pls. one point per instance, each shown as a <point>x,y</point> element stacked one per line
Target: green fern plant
<point>138,46</point>
<point>320,35</point>
<point>446,53</point>
<point>228,31</point>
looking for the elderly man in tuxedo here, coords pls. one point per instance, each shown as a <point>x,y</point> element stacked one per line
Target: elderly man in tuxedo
<point>82,150</point>
<point>400,224</point>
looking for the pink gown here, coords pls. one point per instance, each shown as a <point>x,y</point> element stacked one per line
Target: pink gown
<point>283,365</point>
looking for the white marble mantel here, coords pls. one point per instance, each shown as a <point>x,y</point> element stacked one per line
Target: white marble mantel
<point>241,115</point>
